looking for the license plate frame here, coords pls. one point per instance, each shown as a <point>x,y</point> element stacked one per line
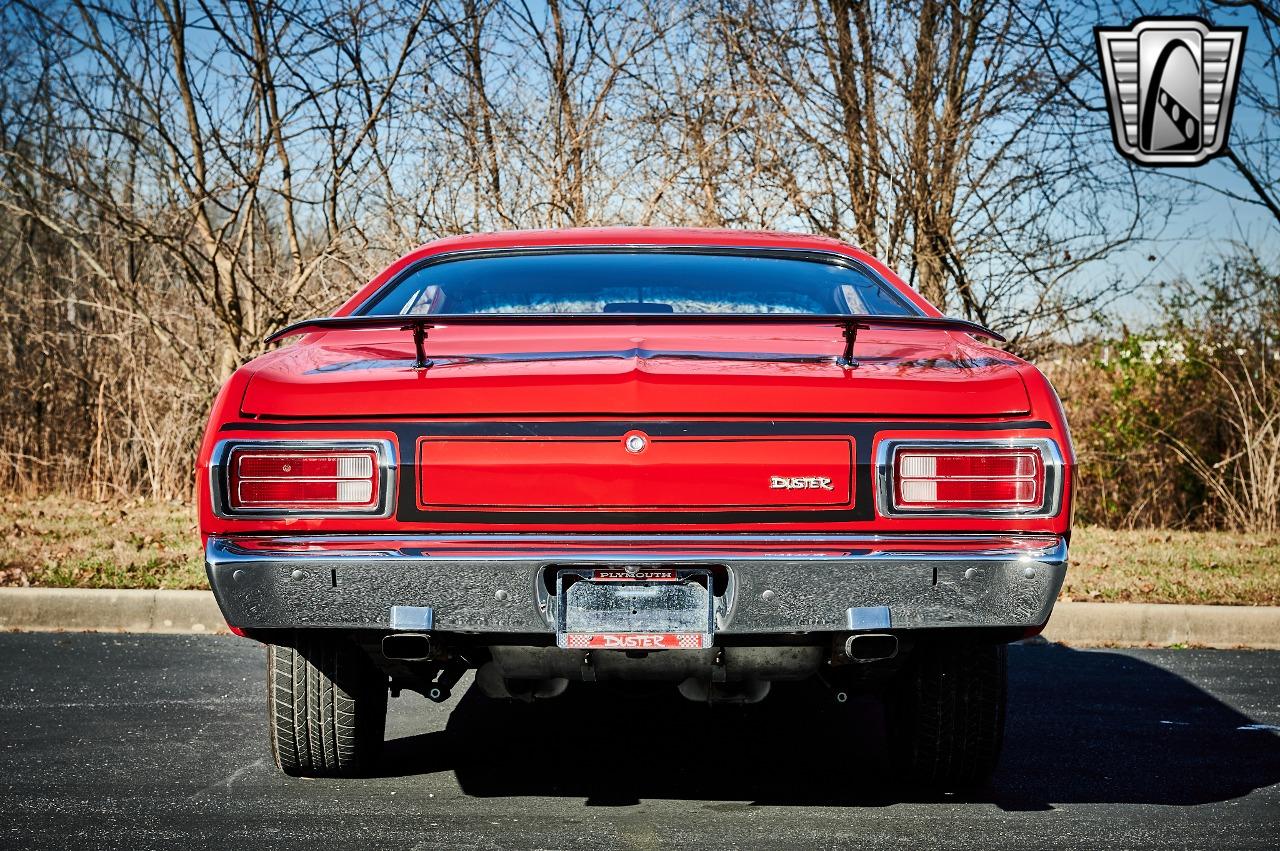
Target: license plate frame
<point>615,607</point>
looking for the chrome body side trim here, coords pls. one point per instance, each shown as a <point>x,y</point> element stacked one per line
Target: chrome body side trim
<point>772,585</point>
<point>218,478</point>
<point>639,548</point>
<point>1050,454</point>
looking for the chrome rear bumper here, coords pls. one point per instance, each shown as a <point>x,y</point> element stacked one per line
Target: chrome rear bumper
<point>780,584</point>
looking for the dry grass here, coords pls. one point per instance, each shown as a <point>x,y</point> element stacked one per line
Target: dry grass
<point>60,541</point>
<point>66,542</point>
<point>1163,566</point>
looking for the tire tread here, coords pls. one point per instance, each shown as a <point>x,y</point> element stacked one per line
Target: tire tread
<point>327,708</point>
<point>948,722</point>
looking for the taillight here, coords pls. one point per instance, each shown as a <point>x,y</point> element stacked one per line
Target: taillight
<point>294,477</point>
<point>966,478</point>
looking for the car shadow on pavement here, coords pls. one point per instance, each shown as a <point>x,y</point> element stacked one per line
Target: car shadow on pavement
<point>1092,726</point>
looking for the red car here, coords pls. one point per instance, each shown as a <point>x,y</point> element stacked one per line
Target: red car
<point>715,458</point>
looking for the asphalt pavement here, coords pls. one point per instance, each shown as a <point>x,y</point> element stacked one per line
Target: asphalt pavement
<point>131,741</point>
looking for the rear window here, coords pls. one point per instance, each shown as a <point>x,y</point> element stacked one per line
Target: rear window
<point>638,282</point>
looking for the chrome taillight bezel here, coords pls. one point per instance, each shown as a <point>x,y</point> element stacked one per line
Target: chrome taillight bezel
<point>219,480</point>
<point>1050,456</point>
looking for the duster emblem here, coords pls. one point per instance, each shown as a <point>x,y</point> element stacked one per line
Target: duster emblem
<point>792,483</point>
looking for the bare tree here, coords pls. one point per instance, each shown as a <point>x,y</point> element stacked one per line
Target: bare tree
<point>198,156</point>
<point>186,175</point>
<point>946,138</point>
<point>1256,151</point>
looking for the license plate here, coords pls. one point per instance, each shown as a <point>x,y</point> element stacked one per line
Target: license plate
<point>634,609</point>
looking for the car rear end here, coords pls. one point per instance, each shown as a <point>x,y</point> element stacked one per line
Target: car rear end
<point>712,520</point>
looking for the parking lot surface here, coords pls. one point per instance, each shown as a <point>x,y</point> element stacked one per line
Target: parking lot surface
<point>129,741</point>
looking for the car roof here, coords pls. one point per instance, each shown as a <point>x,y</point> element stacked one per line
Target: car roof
<point>623,236</point>
<point>631,236</point>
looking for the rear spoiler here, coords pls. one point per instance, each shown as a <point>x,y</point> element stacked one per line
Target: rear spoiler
<point>420,325</point>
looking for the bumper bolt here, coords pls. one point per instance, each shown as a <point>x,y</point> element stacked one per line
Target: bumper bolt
<point>298,575</point>
<point>1030,573</point>
<point>237,575</point>
<point>768,596</point>
<point>502,595</point>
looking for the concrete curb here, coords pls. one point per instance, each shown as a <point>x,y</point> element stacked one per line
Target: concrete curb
<point>1141,624</point>
<point>109,610</point>
<point>1079,624</point>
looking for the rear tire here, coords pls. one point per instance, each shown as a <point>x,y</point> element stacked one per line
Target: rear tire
<point>327,704</point>
<point>946,718</point>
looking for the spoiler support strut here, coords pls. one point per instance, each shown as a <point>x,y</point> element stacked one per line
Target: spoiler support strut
<point>850,337</point>
<point>420,328</point>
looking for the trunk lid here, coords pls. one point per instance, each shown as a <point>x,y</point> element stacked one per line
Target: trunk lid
<point>630,370</point>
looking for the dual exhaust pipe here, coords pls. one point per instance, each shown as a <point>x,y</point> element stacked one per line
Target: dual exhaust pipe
<point>407,646</point>
<point>863,648</point>
<point>867,647</point>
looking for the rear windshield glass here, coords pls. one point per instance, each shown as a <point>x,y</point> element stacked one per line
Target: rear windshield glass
<point>637,282</point>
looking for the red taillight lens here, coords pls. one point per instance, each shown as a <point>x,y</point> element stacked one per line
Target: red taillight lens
<point>354,465</point>
<point>304,479</point>
<point>989,478</point>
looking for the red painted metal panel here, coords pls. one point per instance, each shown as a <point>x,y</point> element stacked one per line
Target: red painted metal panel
<point>919,385</point>
<point>585,521</point>
<point>900,373</point>
<point>578,473</point>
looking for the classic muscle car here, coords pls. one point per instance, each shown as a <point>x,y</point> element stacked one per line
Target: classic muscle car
<point>714,458</point>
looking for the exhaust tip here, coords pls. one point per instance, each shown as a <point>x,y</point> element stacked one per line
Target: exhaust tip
<point>407,646</point>
<point>871,647</point>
